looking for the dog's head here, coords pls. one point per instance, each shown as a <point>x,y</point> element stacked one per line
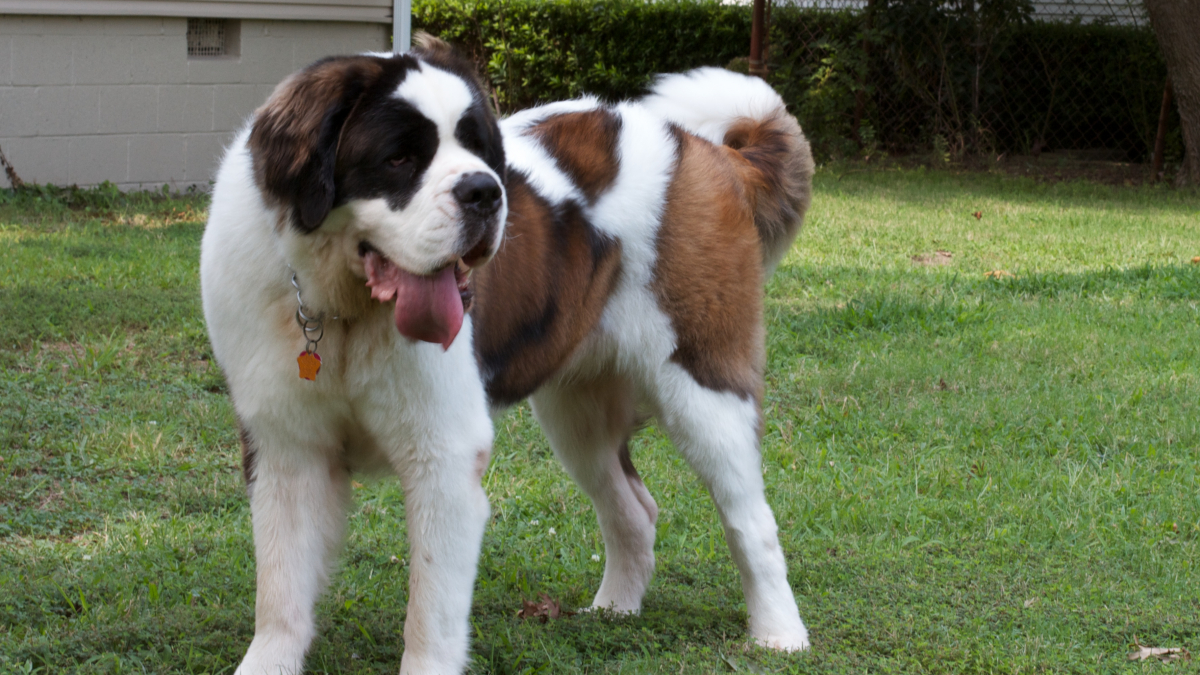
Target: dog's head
<point>400,159</point>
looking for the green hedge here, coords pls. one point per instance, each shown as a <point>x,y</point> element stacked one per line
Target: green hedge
<point>905,82</point>
<point>911,77</point>
<point>536,51</point>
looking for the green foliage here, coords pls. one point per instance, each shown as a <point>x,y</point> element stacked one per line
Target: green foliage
<point>1061,82</point>
<point>537,51</point>
<point>823,78</point>
<point>105,198</point>
<point>981,76</point>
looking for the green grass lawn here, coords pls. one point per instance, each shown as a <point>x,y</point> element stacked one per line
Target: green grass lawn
<point>971,474</point>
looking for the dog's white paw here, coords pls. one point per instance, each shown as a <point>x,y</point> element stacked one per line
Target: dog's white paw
<point>268,656</point>
<point>791,642</point>
<point>613,607</point>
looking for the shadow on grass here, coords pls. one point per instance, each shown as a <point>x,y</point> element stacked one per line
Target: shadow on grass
<point>666,625</point>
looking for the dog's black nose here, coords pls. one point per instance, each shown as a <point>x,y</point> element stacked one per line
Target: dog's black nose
<point>480,192</point>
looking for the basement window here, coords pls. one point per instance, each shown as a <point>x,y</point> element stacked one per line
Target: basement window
<point>213,38</point>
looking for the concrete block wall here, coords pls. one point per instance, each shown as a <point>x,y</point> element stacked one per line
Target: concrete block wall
<point>90,99</point>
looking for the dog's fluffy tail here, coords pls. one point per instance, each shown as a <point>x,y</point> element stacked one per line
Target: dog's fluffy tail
<point>747,115</point>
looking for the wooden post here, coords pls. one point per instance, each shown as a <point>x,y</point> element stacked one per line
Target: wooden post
<point>1160,139</point>
<point>758,34</point>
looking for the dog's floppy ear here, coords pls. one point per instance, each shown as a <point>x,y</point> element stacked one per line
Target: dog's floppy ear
<point>295,135</point>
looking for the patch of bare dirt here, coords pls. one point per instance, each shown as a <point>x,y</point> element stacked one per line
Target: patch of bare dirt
<point>935,258</point>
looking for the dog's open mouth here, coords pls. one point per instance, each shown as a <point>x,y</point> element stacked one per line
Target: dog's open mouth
<point>429,308</point>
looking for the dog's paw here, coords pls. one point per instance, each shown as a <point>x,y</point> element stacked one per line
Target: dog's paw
<point>792,642</point>
<point>267,656</point>
<point>614,608</point>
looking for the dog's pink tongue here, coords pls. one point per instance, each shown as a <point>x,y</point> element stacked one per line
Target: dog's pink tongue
<point>427,308</point>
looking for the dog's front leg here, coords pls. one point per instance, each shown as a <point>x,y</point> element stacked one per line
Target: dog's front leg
<point>446,512</point>
<point>298,499</point>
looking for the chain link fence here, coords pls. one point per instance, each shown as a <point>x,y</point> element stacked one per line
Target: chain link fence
<point>963,77</point>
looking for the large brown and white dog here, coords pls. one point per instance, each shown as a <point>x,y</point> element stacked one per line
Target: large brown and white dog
<point>628,247</point>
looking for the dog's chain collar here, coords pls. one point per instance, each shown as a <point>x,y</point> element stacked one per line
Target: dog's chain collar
<point>313,326</point>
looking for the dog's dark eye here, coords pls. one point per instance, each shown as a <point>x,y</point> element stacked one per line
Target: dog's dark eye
<point>397,162</point>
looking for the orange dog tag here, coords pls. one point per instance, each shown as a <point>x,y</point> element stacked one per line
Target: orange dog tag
<point>310,365</point>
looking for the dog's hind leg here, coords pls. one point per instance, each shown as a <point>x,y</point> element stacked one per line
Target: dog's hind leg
<point>718,434</point>
<point>588,425</point>
<point>298,499</point>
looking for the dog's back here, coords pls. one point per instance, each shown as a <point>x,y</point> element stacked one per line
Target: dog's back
<point>676,206</point>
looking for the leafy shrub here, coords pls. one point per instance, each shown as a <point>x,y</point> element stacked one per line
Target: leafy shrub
<point>975,77</point>
<point>536,51</point>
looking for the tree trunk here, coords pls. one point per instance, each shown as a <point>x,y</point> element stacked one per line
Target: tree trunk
<point>1177,25</point>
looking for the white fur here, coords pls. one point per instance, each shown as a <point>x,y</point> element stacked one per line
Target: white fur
<point>524,119</point>
<point>706,101</point>
<point>380,401</point>
<point>439,95</point>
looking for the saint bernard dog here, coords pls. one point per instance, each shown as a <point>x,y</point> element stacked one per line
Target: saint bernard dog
<point>385,267</point>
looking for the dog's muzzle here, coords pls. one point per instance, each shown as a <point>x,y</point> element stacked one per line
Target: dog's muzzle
<point>480,198</point>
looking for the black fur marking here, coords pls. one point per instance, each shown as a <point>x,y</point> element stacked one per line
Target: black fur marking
<point>386,148</point>
<point>249,454</point>
<point>478,132</point>
<point>495,362</point>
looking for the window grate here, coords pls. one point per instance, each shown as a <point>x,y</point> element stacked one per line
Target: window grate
<point>208,37</point>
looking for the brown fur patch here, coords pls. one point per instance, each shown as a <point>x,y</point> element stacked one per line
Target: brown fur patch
<point>294,138</point>
<point>584,145</point>
<point>709,274</point>
<point>481,462</point>
<point>541,295</point>
<point>780,177</point>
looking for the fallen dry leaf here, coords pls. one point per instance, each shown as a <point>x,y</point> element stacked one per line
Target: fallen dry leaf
<point>1196,260</point>
<point>978,215</point>
<point>545,609</point>
<point>1164,654</point>
<point>935,258</point>
<point>356,485</point>
<point>999,274</point>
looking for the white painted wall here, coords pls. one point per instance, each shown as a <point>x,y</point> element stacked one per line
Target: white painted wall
<point>87,99</point>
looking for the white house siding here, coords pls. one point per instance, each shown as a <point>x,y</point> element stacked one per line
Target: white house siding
<point>87,99</point>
